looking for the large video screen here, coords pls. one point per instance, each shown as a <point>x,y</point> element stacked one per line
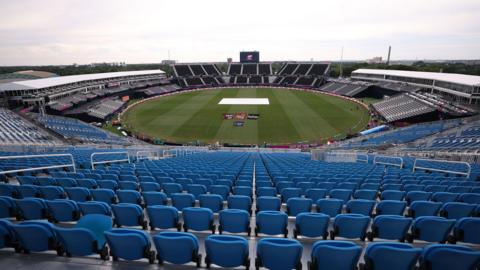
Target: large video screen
<point>249,57</point>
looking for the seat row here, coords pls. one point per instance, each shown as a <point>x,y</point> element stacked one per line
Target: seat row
<point>347,194</point>
<point>392,227</point>
<point>94,233</point>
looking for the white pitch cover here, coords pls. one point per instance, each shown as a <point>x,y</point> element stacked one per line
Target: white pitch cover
<point>244,101</point>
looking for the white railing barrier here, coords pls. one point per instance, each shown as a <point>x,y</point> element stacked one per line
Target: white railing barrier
<point>127,159</point>
<point>147,154</point>
<point>362,156</point>
<point>169,153</point>
<point>467,173</point>
<point>376,161</point>
<point>69,165</point>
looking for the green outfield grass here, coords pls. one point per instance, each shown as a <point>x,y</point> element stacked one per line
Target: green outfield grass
<point>292,116</point>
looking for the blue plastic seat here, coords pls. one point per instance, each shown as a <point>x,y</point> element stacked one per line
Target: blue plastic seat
<point>447,257</point>
<point>128,214</point>
<point>335,255</point>
<point>129,196</point>
<point>205,182</point>
<point>331,207</point>
<point>241,202</point>
<point>284,184</point>
<point>392,195</point>
<point>27,180</point>
<point>234,221</point>
<point>424,208</point>
<point>467,230</point>
<point>458,189</point>
<point>78,194</point>
<point>311,225</point>
<point>360,206</point>
<point>86,238</point>
<point>271,223</point>
<point>221,190</point>
<point>391,207</point>
<point>94,207</point>
<point>413,196</point>
<point>128,177</point>
<point>315,194</point>
<point>341,194</point>
<point>226,251</point>
<point>35,236</point>
<point>8,236</point>
<point>305,186</point>
<point>371,186</point>
<point>473,198</point>
<point>129,244</point>
<point>150,187</point>
<point>390,227</point>
<point>457,210</point>
<point>32,208</point>
<point>391,256</point>
<point>213,202</point>
<point>198,219</point>
<point>104,195</point>
<point>288,193</point>
<point>182,200</point>
<point>87,183</point>
<point>244,183</point>
<point>296,206</point>
<point>8,207</point>
<point>147,179</point>
<point>350,226</point>
<point>163,217</point>
<point>268,250</point>
<point>154,198</point>
<point>267,203</point>
<point>365,194</point>
<point>51,192</point>
<point>66,182</point>
<point>177,248</point>
<point>171,188</point>
<point>242,190</point>
<point>431,229</point>
<point>392,186</point>
<point>260,184</point>
<point>266,191</point>
<point>108,184</point>
<point>196,190</point>
<point>63,210</point>
<point>7,190</point>
<point>128,185</point>
<point>444,197</point>
<point>46,181</point>
<point>27,191</point>
<point>184,182</point>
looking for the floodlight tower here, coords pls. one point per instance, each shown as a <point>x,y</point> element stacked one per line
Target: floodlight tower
<point>341,64</point>
<point>388,56</point>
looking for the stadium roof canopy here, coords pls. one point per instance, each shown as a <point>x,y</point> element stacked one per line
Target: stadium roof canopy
<point>470,80</point>
<point>63,80</point>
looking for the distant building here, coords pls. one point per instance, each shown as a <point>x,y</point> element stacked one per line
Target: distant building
<point>113,64</point>
<point>229,60</point>
<point>375,60</point>
<point>169,62</point>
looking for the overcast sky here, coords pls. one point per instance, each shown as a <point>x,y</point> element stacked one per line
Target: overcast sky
<point>36,32</point>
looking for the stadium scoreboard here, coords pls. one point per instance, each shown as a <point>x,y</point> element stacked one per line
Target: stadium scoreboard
<point>249,57</point>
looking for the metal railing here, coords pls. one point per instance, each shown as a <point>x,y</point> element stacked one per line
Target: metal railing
<point>69,165</point>
<point>127,159</point>
<point>467,173</point>
<point>376,161</point>
<point>147,154</point>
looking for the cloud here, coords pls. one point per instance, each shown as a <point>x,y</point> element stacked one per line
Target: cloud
<point>84,31</point>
